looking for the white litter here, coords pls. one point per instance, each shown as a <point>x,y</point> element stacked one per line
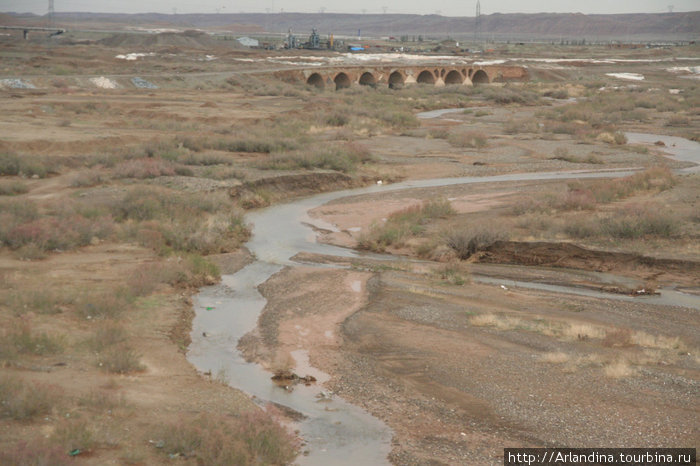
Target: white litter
<point>104,83</point>
<point>133,56</point>
<point>630,76</point>
<point>684,69</point>
<point>13,83</point>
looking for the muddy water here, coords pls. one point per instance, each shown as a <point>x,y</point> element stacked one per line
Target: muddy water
<point>336,432</point>
<point>680,149</point>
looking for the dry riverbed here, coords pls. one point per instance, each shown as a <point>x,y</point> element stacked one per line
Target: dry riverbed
<point>117,205</point>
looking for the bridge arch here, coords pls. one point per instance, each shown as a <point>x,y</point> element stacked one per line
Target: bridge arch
<point>480,77</point>
<point>396,80</point>
<point>368,79</point>
<point>425,77</point>
<point>342,81</point>
<point>454,77</point>
<point>316,80</point>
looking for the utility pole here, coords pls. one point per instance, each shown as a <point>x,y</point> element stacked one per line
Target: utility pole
<point>477,21</point>
<point>51,13</point>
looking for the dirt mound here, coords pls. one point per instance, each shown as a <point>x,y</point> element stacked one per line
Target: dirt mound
<point>182,40</point>
<point>572,256</point>
<point>297,184</point>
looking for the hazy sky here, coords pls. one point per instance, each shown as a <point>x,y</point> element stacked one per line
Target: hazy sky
<point>444,7</point>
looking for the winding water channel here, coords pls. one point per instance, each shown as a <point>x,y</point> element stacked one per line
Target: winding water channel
<point>336,432</point>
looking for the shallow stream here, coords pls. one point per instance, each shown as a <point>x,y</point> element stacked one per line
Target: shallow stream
<point>337,432</point>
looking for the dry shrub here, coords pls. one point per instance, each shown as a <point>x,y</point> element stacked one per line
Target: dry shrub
<point>403,224</point>
<point>581,331</point>
<point>343,158</point>
<point>555,358</point>
<point>13,188</point>
<point>521,126</point>
<point>105,304</point>
<point>171,221</point>
<point>678,120</point>
<point>27,165</point>
<point>467,241</point>
<point>39,300</point>
<point>73,434</point>
<point>22,226</point>
<point>618,338</point>
<point>37,452</point>
<point>640,221</point>
<point>656,341</point>
<point>107,335</point>
<point>120,359</point>
<point>21,400</point>
<point>493,320</point>
<point>149,168</point>
<point>454,273</point>
<point>253,438</point>
<point>88,178</point>
<point>19,339</point>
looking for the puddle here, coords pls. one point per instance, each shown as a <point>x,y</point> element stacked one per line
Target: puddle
<point>438,113</point>
<point>142,83</point>
<point>336,431</point>
<point>629,76</point>
<point>681,149</point>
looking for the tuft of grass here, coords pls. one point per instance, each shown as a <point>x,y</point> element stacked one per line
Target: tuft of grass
<point>344,158</point>
<point>120,359</point>
<point>619,369</point>
<point>13,188</point>
<point>106,304</point>
<point>107,335</point>
<point>73,434</point>
<point>39,301</point>
<point>20,339</point>
<point>633,222</point>
<point>404,224</point>
<point>251,438</point>
<point>27,165</point>
<point>454,273</point>
<point>678,120</point>
<point>468,139</point>
<point>521,126</point>
<point>561,153</point>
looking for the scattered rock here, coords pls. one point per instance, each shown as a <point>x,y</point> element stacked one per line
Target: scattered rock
<point>288,379</point>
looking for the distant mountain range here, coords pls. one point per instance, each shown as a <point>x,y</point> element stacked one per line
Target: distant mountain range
<point>633,27</point>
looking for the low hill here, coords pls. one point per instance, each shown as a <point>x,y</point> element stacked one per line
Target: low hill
<point>639,27</point>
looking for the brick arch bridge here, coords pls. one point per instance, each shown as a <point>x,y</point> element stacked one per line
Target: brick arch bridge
<point>396,77</point>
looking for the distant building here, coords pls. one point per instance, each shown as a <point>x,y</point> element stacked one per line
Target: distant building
<point>248,42</point>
